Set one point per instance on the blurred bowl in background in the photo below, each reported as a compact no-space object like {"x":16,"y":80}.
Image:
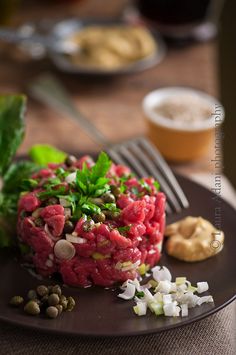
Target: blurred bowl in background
{"x":67,"y":28}
{"x":181,"y":122}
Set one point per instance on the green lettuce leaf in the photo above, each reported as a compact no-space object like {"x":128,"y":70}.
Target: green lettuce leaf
{"x":44,"y":154}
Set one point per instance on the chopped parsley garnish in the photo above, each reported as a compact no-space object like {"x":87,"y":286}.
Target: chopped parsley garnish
{"x":123,"y":229}
{"x":92,"y":182}
{"x":28,"y":184}
{"x":157,"y":185}
{"x":145,"y":185}
{"x":139,"y":294}
{"x":134,"y":190}
{"x":110,"y":207}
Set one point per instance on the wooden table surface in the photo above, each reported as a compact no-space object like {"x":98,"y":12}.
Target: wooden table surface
{"x":114,"y":105}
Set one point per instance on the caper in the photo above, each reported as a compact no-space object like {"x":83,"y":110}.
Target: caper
{"x":97,"y":201}
{"x":99,"y":217}
{"x":42,"y":290}
{"x":115,"y":190}
{"x":63,"y":302}
{"x":71,"y":304}
{"x":52,"y":312}
{"x":115,"y":215}
{"x":39,"y":222}
{"x":112,"y":214}
{"x":32,"y":308}
{"x":32,"y":295}
{"x":108,"y":197}
{"x":88,"y":225}
{"x":59,"y":308}
{"x":57,"y":290}
{"x":68,"y":227}
{"x":52,"y":201}
{"x":70,"y":160}
{"x":16,"y":301}
{"x":53,"y":299}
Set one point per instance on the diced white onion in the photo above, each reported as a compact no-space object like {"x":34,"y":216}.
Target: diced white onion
{"x":71,"y":178}
{"x":164,"y":286}
{"x":202,"y":287}
{"x":47,"y":230}
{"x":152,"y":251}
{"x":135,"y":282}
{"x":205,"y":299}
{"x":148,"y":297}
{"x":161,"y":274}
{"x":73,"y":239}
{"x":184,"y":310}
{"x":141,"y":308}
{"x":131,"y":266}
{"x":129,"y":292}
{"x":177,"y":311}
{"x":182,"y":287}
{"x":158,"y":297}
{"x":49,"y":263}
{"x":167,"y":299}
{"x":169,"y":309}
{"x":173,"y":287}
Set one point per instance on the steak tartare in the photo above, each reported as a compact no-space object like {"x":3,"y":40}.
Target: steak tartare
{"x":93,"y":223}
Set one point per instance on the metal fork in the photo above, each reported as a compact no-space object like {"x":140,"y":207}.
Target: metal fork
{"x":138,"y":153}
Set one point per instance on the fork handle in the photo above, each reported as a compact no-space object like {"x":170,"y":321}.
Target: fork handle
{"x":50,"y":91}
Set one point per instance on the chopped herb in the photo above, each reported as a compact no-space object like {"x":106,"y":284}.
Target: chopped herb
{"x":110,"y":207}
{"x":52,"y":182}
{"x":135,"y":190}
{"x":123,"y":188}
{"x":123,"y":230}
{"x":29,"y":184}
{"x":157,"y":185}
{"x":145,"y":185}
{"x":92,"y":182}
{"x":60,"y":190}
{"x":139,"y":294}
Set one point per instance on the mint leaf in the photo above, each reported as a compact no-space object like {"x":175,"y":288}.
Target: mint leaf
{"x":12,"y":128}
{"x":16,"y":174}
{"x":8,"y":217}
{"x":44,"y":154}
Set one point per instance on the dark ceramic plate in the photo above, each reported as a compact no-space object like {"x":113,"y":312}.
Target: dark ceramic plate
{"x":100,"y":313}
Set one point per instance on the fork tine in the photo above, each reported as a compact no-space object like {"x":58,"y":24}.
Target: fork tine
{"x":153,"y":171}
{"x":166,"y":171}
{"x":133,"y":161}
{"x":115,"y":154}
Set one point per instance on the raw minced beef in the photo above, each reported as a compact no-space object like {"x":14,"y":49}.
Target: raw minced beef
{"x":111,"y":222}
